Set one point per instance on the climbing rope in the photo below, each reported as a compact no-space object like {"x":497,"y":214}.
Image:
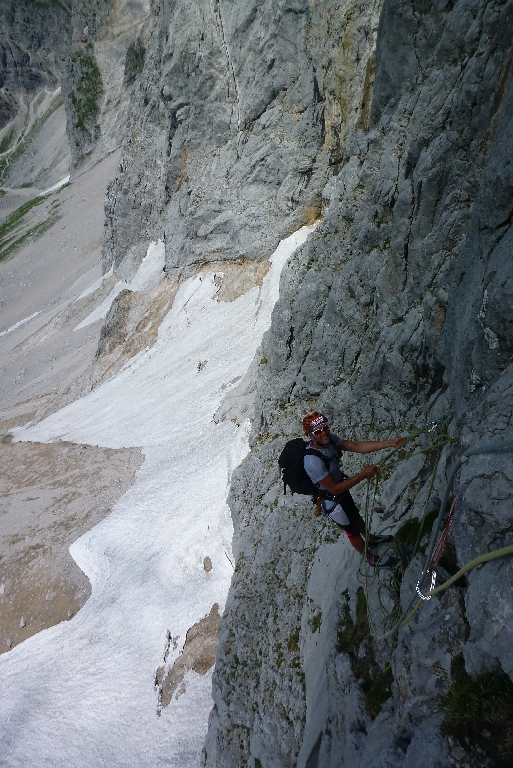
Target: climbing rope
{"x":435,"y":557}
{"x":413,"y":607}
{"x":388,"y":591}
{"x":388,"y":584}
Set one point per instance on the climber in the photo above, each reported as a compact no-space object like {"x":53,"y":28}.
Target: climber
{"x":341,"y":507}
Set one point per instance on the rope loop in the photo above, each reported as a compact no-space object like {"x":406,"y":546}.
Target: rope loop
{"x":386,"y":596}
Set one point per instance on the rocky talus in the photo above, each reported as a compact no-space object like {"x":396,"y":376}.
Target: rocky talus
{"x":396,"y":312}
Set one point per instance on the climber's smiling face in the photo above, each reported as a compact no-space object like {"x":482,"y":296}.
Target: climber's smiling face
{"x":321,"y":436}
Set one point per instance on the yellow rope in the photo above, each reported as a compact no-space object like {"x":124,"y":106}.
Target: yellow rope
{"x":467,"y":567}
{"x":437,"y":444}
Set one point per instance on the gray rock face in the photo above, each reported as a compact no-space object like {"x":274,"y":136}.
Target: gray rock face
{"x":239,"y":122}
{"x":105,"y":34}
{"x":34,"y":40}
{"x":33,"y":45}
{"x":242,"y":107}
{"x":396,"y":310}
{"x":93,"y":49}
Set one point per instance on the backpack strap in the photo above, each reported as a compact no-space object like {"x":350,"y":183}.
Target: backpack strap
{"x":314,"y":452}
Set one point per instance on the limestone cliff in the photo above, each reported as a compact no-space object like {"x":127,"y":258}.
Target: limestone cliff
{"x":100,"y":69}
{"x":92,"y":50}
{"x":390,"y":123}
{"x":34,"y":40}
{"x":33,"y":45}
{"x":396,"y":311}
{"x":244,"y":107}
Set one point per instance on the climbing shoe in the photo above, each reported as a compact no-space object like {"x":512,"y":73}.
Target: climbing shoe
{"x":381,"y":540}
{"x":384,"y":562}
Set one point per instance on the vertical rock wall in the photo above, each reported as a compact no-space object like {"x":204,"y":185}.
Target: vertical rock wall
{"x":93,"y":49}
{"x":240,"y":121}
{"x":105,"y":33}
{"x":33,"y":42}
{"x":235,"y":126}
{"x":396,"y":311}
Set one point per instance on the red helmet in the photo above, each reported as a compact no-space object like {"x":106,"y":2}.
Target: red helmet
{"x":314,"y":420}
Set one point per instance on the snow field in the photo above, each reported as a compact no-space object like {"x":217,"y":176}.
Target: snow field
{"x":148,"y":276}
{"x":82,"y":693}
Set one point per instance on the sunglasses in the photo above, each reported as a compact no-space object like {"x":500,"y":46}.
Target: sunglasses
{"x":320,"y":430}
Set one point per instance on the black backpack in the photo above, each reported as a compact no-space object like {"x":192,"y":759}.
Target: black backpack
{"x":293,"y":471}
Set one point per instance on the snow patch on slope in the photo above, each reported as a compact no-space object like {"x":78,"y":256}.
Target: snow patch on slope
{"x":149,"y":275}
{"x":82,"y":693}
{"x":57,"y":186}
{"x":19,"y":323}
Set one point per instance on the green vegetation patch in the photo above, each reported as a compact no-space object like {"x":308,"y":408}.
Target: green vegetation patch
{"x":409,"y":531}
{"x":315,"y":622}
{"x":355,"y":639}
{"x":8,"y":161}
{"x":10,"y":237}
{"x":478,"y":712}
{"x":88,"y":91}
{"x":14,"y":218}
{"x":30,"y":234}
{"x":7,"y":141}
{"x":134,"y":60}
{"x":51,"y":4}
{"x":293,"y":642}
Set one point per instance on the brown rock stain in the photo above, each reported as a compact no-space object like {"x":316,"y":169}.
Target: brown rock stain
{"x":198,"y":654}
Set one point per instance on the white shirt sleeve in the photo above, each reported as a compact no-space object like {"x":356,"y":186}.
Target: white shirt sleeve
{"x":315,"y":468}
